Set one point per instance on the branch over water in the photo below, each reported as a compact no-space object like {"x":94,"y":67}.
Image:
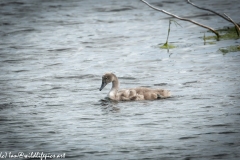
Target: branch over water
{"x":183,"y":19}
{"x":225,"y":16}
{"x":236,"y":25}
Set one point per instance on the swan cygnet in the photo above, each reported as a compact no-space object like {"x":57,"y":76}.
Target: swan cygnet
{"x":134,"y":94}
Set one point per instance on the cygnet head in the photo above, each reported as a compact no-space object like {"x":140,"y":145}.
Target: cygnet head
{"x":107,"y":78}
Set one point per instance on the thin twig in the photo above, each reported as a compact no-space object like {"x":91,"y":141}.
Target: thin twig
{"x":236,"y":26}
{"x":183,"y":19}
{"x":168,"y":30}
{"x":168,"y":36}
{"x":224,"y":17}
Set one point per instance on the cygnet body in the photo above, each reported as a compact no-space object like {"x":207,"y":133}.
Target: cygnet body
{"x":133,"y":94}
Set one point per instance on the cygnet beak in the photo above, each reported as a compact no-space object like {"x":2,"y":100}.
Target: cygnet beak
{"x":103,"y":85}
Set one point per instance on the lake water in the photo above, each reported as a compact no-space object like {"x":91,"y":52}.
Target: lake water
{"x":54,"y":53}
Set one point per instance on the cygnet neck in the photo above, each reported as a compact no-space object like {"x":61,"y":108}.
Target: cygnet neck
{"x":115,"y":83}
{"x":114,"y":90}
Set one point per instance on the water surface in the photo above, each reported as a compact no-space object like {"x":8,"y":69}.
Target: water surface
{"x":52,"y":57}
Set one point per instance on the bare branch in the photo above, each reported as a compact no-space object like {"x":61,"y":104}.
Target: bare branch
{"x":224,"y":17}
{"x":236,"y":26}
{"x":183,"y":19}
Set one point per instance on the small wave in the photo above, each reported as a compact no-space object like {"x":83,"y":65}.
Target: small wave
{"x":160,"y":84}
{"x":76,"y":76}
{"x":128,"y":78}
{"x":190,"y":82}
{"x":182,"y":138}
{"x":227,"y":132}
{"x":219,"y":125}
{"x":127,"y":8}
{"x":20,"y":71}
{"x":5,"y":106}
{"x":21,"y":31}
{"x":12,"y":3}
{"x":60,"y":49}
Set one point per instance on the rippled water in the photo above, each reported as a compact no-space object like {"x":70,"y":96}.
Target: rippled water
{"x":52,"y":57}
